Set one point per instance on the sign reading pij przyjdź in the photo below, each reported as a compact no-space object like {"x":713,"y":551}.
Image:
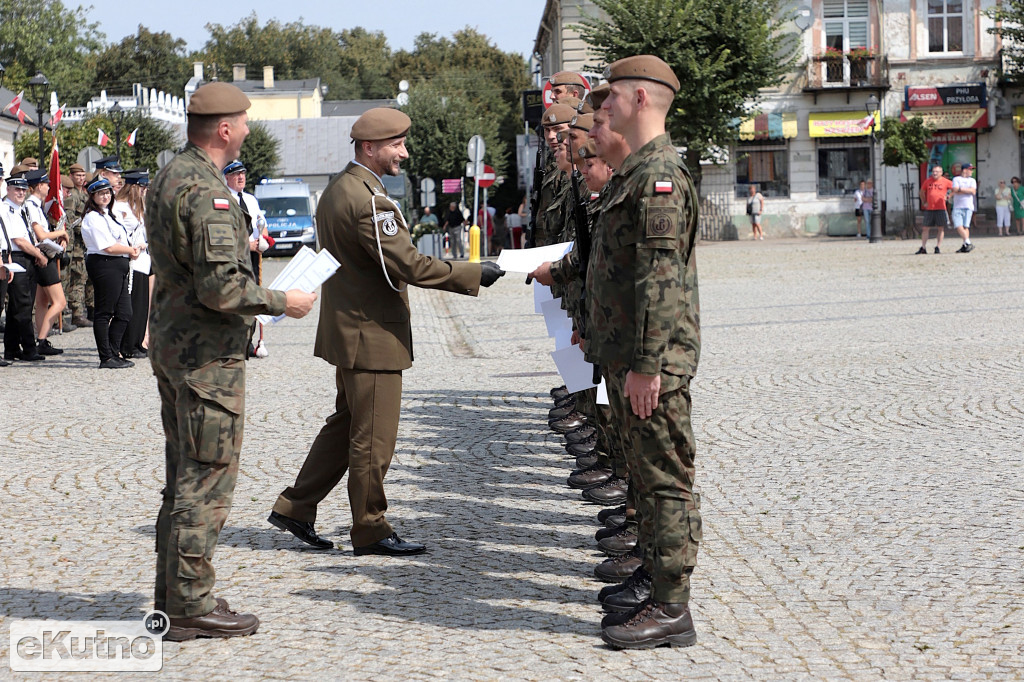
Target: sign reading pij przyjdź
{"x":88,"y":645}
{"x":960,"y":95}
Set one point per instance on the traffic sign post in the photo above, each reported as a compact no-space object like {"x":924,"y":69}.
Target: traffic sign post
{"x":476,"y":157}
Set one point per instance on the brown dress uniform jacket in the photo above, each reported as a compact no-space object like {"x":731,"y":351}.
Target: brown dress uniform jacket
{"x":364,"y":322}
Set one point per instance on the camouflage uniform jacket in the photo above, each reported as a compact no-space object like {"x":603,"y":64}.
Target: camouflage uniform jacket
{"x":566,"y":271}
{"x":553,"y":184}
{"x":74,"y":207}
{"x":642,"y":301}
{"x":205,"y":295}
{"x":556,"y":216}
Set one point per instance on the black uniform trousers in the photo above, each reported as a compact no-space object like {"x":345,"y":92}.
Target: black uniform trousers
{"x":113,"y":307}
{"x":136,"y":330}
{"x":19,"y":335}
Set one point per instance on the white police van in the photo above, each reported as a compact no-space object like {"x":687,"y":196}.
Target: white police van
{"x":289,"y":209}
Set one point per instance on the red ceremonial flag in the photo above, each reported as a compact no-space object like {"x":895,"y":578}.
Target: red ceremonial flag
{"x":131,"y":138}
{"x":55,"y":119}
{"x":102,"y":140}
{"x":866,"y":122}
{"x":15,"y":107}
{"x":55,"y":196}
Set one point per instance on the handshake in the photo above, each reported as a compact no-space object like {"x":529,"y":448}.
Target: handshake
{"x":489,"y":273}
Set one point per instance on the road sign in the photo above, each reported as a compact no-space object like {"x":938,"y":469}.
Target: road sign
{"x":427,"y":185}
{"x":451,"y":185}
{"x":546,"y":91}
{"x":488,"y":177}
{"x":88,"y":156}
{"x":476,"y":148}
{"x":533,"y":107}
{"x":428,"y":198}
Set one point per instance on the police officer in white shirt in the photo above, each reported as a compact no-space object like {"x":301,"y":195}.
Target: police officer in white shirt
{"x":19,"y":336}
{"x":259,"y":238}
{"x":6,"y":275}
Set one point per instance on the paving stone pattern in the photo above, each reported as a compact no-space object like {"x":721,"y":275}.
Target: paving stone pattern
{"x":858,"y":414}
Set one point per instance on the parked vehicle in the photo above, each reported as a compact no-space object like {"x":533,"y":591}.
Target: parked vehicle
{"x":289,"y":209}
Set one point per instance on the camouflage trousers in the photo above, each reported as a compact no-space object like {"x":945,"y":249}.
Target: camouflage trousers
{"x":78,"y":286}
{"x":203,"y":415}
{"x":660,"y":454}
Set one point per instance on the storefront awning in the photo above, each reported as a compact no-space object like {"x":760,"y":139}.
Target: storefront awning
{"x":769,"y":126}
{"x":841,"y":123}
{"x":950,"y":118}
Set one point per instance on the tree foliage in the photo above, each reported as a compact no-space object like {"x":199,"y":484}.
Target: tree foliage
{"x":905,"y":142}
{"x":259,"y":154}
{"x":1009,"y":18}
{"x":155,"y":60}
{"x":43,"y":36}
{"x":722,"y":51}
{"x":153,"y":138}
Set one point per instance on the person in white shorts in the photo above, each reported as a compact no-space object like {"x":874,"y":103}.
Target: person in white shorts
{"x":965,"y":188}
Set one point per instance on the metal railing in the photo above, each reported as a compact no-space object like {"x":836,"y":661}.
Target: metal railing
{"x":859,"y":72}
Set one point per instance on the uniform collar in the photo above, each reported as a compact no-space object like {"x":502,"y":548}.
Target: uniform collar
{"x":637,"y":156}
{"x":203,"y":157}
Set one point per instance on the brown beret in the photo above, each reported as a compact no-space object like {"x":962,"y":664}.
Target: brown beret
{"x":568,"y":99}
{"x":76,"y":168}
{"x":20,"y":169}
{"x":567,"y":78}
{"x":587,"y":150}
{"x":218,"y":98}
{"x":66,"y":182}
{"x":596,"y":97}
{"x":582,"y":121}
{"x":380,"y":123}
{"x":30,"y":161}
{"x":642,"y":67}
{"x":558,"y":114}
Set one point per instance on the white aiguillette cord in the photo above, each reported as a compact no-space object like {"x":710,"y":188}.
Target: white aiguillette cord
{"x":376,"y":233}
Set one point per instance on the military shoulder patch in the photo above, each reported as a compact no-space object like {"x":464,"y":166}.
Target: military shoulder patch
{"x":662,"y":218}
{"x":221,"y":205}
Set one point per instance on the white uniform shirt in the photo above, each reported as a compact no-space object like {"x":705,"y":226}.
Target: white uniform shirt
{"x":16,"y":227}
{"x":964,"y":200}
{"x":136,"y":228}
{"x":252,"y":206}
{"x":100,"y":231}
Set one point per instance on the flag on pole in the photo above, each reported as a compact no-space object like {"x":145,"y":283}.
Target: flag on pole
{"x":131,"y":138}
{"x":55,"y":119}
{"x":866,"y":122}
{"x":15,"y":107}
{"x":54,"y":203}
{"x":102,"y":140}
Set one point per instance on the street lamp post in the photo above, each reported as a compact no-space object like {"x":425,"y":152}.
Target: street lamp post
{"x":876,"y":219}
{"x":117,"y":117}
{"x":38,"y":87}
{"x":3,"y":72}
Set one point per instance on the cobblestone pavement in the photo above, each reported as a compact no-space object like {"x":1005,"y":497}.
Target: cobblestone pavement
{"x":858,"y":413}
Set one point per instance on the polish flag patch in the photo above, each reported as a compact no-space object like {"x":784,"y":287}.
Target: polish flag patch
{"x":221,"y":205}
{"x":663,"y":187}
{"x":594,"y":196}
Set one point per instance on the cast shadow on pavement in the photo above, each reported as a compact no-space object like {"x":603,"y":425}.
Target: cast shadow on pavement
{"x":17,"y":602}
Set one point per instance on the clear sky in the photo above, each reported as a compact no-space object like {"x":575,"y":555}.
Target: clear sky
{"x":512,"y":26}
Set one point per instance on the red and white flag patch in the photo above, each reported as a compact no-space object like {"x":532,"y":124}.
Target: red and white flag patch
{"x":221,"y":204}
{"x":663,"y":187}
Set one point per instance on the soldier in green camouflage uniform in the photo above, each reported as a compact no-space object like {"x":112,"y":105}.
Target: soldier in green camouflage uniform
{"x":555,"y":184}
{"x":203,"y":306}
{"x":79,"y":289}
{"x":644,"y":332}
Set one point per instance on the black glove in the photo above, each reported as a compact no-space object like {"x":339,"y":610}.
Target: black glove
{"x":489,"y":273}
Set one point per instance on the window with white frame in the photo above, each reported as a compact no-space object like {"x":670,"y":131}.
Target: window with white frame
{"x":765,"y":164}
{"x":946,"y":25}
{"x":846,"y":24}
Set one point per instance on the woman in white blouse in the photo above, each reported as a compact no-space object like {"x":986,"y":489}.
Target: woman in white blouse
{"x":107,"y":253}
{"x":130,"y":210}
{"x":50,"y":301}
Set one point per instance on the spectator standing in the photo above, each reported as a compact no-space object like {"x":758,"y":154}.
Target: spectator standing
{"x":755,"y":207}
{"x":514,"y":226}
{"x":49,"y":295}
{"x":858,"y":208}
{"x":19,"y":336}
{"x":965,"y":189}
{"x":935,"y":191}
{"x":129,"y":209}
{"x":1003,"y":209}
{"x":1017,"y":204}
{"x":868,"y":206}
{"x":453,"y":222}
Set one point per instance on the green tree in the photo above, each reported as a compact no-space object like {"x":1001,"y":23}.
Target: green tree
{"x":722,"y":51}
{"x":259,"y":154}
{"x":44,"y":36}
{"x":363,"y":70}
{"x":156,"y":60}
{"x":905,"y":142}
{"x":1009,"y":18}
{"x":153,"y":137}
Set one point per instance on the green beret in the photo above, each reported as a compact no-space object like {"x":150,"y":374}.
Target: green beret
{"x":218,"y":98}
{"x":642,"y":67}
{"x":380,"y":124}
{"x":558,"y":114}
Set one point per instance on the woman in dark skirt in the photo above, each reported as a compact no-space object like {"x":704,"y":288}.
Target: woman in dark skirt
{"x":107,"y":254}
{"x":129,"y":210}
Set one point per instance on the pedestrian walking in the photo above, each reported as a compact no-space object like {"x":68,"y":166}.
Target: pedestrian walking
{"x":935,"y":192}
{"x":965,"y":190}
{"x":755,"y":207}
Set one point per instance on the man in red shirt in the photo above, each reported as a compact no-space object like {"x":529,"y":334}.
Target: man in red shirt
{"x":934,"y":192}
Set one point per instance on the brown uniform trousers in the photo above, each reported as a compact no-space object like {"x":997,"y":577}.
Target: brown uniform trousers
{"x":366,"y":333}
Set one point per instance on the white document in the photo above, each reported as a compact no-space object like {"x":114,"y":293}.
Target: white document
{"x":563,"y":337}
{"x":576,"y":372}
{"x":528,"y":260}
{"x":602,"y":393}
{"x":541,"y":293}
{"x":555,"y":318}
{"x":14,"y":267}
{"x":142,"y":264}
{"x":305,"y":271}
{"x":50,"y":247}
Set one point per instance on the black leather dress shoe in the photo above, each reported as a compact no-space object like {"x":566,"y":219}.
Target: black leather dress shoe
{"x":391,"y":546}
{"x":303,"y":530}
{"x":34,"y":356}
{"x":612,"y":491}
{"x":584,"y":448}
{"x":582,"y":479}
{"x":584,"y":461}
